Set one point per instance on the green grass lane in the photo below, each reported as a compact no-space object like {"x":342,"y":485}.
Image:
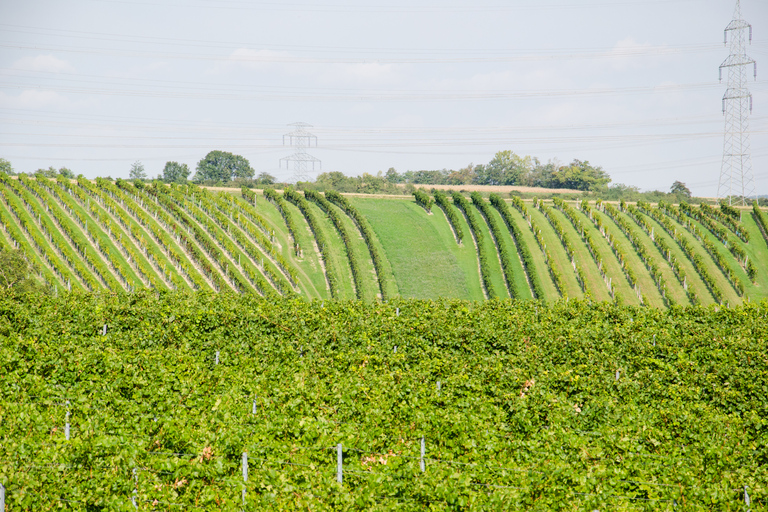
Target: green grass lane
{"x":421,"y":249}
{"x":498,"y":282}
{"x":644,"y":280}
{"x":540,"y":266}
{"x":390,"y":283}
{"x":757,"y":250}
{"x":520,"y":282}
{"x":595,"y":283}
{"x":561,"y":261}
{"x":693,"y":279}
{"x":369,"y":282}
{"x":309,"y":269}
{"x":338,"y":253}
{"x":722,"y":283}
{"x":675,"y":290}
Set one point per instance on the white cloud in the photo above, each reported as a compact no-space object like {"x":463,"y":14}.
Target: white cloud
{"x":35,"y":100}
{"x":44,"y":63}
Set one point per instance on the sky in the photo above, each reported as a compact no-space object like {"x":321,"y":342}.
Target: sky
{"x":628,"y":85}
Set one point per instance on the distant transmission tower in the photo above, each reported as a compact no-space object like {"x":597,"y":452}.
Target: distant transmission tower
{"x":300,"y":139}
{"x":736,"y":180}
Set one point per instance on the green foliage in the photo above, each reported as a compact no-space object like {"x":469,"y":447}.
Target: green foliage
{"x":569,"y":406}
{"x":441,"y":200}
{"x":761,"y":219}
{"x":278,"y":201}
{"x":679,"y":189}
{"x":174,"y":172}
{"x":580,"y":176}
{"x":423,"y":200}
{"x":477,"y":233}
{"x":368,"y":236}
{"x":221,"y":166}
{"x":137,"y":171}
{"x":16,"y":272}
{"x":522,"y":248}
{"x":501,"y":246}
{"x":581,"y":277}
{"x":506,"y":168}
{"x":6,"y":167}
{"x":248,"y":195}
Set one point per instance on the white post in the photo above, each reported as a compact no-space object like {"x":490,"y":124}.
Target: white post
{"x":438,"y":388}
{"x":423,"y":451}
{"x":104,"y":331}
{"x":66,"y":424}
{"x":339,"y":467}
{"x":253,"y":411}
{"x":245,"y":467}
{"x":217,"y":357}
{"x":397,"y":311}
{"x":747,"y":501}
{"x":2,"y":497}
{"x":617,"y":374}
{"x":135,"y":489}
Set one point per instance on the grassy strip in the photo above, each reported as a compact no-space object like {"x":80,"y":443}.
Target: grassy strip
{"x":709,"y":246}
{"x":302,"y":204}
{"x":278,"y":201}
{"x":441,"y":200}
{"x":580,"y":275}
{"x":130,"y":197}
{"x":617,"y":249}
{"x":474,"y":225}
{"x":557,"y":277}
{"x":368,"y":236}
{"x":501,"y":245}
{"x":152,"y":252}
{"x":700,"y":214}
{"x":685,"y":245}
{"x":332,"y":214}
{"x":522,"y":248}
{"x":645,"y":255}
{"x":423,"y":199}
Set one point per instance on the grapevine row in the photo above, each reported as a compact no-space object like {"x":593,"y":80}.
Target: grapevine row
{"x":279,"y":203}
{"x":726,"y":219}
{"x":581,"y":276}
{"x":477,"y":233}
{"x":760,"y":218}
{"x":423,"y":199}
{"x":441,"y":200}
{"x":501,"y":245}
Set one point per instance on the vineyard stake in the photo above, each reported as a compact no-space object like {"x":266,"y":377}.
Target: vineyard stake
{"x":66,"y":424}
{"x":135,"y":489}
{"x":104,"y":331}
{"x":747,"y":501}
{"x":423,"y":451}
{"x":253,"y":411}
{"x":397,"y":311}
{"x":339,"y":468}
{"x":217,"y":357}
{"x":438,"y":388}
{"x":2,"y":497}
{"x":617,"y":374}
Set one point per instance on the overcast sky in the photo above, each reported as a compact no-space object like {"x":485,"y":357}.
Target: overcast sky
{"x":629,"y":85}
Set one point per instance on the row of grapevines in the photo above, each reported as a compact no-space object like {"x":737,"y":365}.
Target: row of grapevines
{"x":277,"y":200}
{"x":423,"y":199}
{"x":367,"y":233}
{"x":54,"y":235}
{"x":332,"y":214}
{"x":760,"y":217}
{"x":441,"y":200}
{"x":224,"y":217}
{"x":325,"y":251}
{"x":617,"y":248}
{"x":709,"y":246}
{"x":721,"y":234}
{"x":728,"y":219}
{"x":229,"y":206}
{"x":154,"y":223}
{"x":686,"y":246}
{"x":249,"y":195}
{"x":114,"y":232}
{"x":522,"y":248}
{"x":23,"y":225}
{"x":645,"y":255}
{"x":666,"y":251}
{"x":151,"y":201}
{"x":477,"y":233}
{"x":557,"y":277}
{"x":501,"y":245}
{"x":62,"y":215}
{"x":581,"y":277}
{"x":151,"y":253}
{"x":206,"y":233}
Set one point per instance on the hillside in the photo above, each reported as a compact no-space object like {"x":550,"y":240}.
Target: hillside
{"x":103,"y":235}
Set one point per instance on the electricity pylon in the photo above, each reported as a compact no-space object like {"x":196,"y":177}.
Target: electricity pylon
{"x":300,"y":139}
{"x":736,"y":180}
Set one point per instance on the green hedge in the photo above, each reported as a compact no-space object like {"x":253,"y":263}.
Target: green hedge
{"x":441,"y":200}
{"x":477,"y":232}
{"x":423,"y":199}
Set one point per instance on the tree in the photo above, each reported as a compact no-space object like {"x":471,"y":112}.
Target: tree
{"x":16,"y":272}
{"x":506,"y":168}
{"x":220,"y":166}
{"x":66,"y":173}
{"x":678,"y":188}
{"x":174,"y":172}
{"x":50,"y":172}
{"x":265,"y":179}
{"x":137,"y":171}
{"x":6,"y":167}
{"x":580,"y":176}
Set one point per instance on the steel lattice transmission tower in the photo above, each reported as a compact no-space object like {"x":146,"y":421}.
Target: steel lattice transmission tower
{"x":736,"y":180}
{"x":300,"y":139}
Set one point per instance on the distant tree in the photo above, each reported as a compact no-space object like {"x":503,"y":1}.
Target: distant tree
{"x":506,"y":168}
{"x":137,"y":171}
{"x":223,"y":166}
{"x":580,"y":176}
{"x":392,"y":176}
{"x":174,"y":172}
{"x":265,"y":179}
{"x":678,"y":188}
{"x":16,"y":272}
{"x":66,"y":173}
{"x":50,"y":172}
{"x":6,"y":167}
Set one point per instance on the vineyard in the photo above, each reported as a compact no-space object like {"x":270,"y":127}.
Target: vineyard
{"x":170,"y":400}
{"x":119,"y":236}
